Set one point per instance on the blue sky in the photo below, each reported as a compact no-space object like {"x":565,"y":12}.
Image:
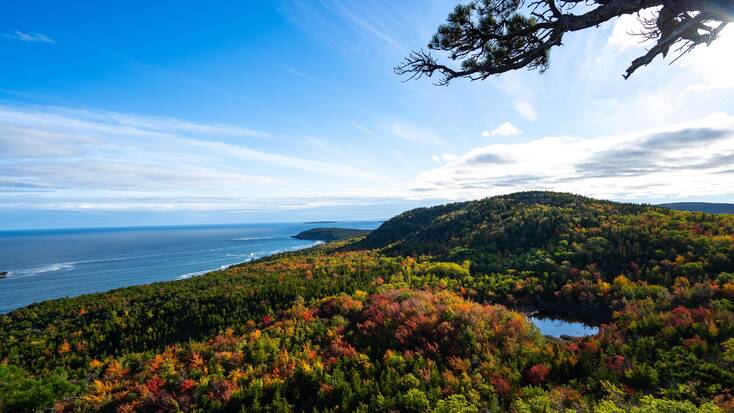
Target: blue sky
{"x":181,"y":112}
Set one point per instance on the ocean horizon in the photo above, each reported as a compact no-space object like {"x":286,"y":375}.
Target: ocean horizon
{"x":43,"y":264}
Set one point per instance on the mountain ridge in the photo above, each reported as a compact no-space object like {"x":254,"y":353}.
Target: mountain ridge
{"x":707,"y":207}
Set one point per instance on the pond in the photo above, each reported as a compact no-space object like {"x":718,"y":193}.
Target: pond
{"x":556,"y":328}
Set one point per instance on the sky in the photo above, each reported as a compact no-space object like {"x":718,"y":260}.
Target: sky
{"x":153,"y":113}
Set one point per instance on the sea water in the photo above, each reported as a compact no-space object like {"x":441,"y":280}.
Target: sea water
{"x":46,"y":264}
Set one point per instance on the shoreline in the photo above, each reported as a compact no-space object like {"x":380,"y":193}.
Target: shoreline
{"x":181,"y":277}
{"x":247,"y":261}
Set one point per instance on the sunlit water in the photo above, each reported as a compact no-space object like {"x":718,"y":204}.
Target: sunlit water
{"x":47,"y":264}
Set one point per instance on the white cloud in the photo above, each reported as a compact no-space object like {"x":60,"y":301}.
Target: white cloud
{"x":413,"y":133}
{"x":706,"y":68}
{"x":526,"y":110}
{"x":711,"y":66}
{"x":625,"y":34}
{"x":688,"y":160}
{"x":659,"y":94}
{"x":30,"y":37}
{"x":446,"y":157}
{"x":449,"y":157}
{"x":55,"y":156}
{"x":505,"y":129}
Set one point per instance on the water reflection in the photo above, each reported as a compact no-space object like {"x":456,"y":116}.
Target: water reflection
{"x":557,"y":328}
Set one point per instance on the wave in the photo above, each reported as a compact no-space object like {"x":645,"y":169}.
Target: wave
{"x":197,"y":273}
{"x":245,"y":255}
{"x":248,"y":257}
{"x":194,"y":274}
{"x":296,"y":248}
{"x":257,"y":238}
{"x":29,"y":272}
{"x":68,"y":266}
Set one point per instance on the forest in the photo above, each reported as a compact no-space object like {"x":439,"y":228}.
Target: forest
{"x":420,"y":315}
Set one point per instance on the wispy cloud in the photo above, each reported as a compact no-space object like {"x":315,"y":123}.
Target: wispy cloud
{"x":526,"y":110}
{"x":417,"y":134}
{"x":296,"y":73}
{"x":29,"y":37}
{"x":59,"y":156}
{"x":379,"y":33}
{"x":364,"y":129}
{"x":374,"y":27}
{"x":54,"y":119}
{"x":505,"y":129}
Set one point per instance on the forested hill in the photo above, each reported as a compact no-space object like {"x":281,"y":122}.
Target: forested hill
{"x":416,"y":317}
{"x":520,"y":220}
{"x":708,"y":207}
{"x":528,"y":229}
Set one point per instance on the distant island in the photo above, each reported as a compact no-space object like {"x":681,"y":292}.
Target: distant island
{"x":330,"y":234}
{"x":709,"y":207}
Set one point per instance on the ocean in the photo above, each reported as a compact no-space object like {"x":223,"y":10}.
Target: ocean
{"x":47,"y":264}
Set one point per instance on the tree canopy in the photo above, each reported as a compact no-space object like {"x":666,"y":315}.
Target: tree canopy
{"x":491,"y":37}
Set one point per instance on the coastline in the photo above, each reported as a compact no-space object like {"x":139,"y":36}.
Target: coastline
{"x":27,"y":285}
{"x":247,"y":261}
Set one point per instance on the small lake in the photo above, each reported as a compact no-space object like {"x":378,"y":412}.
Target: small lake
{"x":557,"y":328}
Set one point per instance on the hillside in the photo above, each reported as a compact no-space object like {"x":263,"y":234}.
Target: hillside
{"x":538,"y":231}
{"x":330,"y":234}
{"x":708,"y":207}
{"x":415,"y":317}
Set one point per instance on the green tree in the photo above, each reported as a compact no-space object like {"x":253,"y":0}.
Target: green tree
{"x":489,"y":37}
{"x":456,"y":403}
{"x":20,"y":393}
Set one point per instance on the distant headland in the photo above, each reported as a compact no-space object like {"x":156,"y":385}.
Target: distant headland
{"x":330,"y":234}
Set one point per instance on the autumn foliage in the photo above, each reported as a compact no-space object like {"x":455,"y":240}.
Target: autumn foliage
{"x":417,"y":317}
